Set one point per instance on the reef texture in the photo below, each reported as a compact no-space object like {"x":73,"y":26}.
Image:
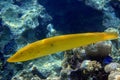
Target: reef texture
{"x":88,"y":67}
{"x":26,"y":21}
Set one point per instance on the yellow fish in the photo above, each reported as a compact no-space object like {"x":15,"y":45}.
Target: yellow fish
{"x":59,"y":43}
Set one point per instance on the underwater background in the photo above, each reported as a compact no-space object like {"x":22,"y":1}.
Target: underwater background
{"x":25,"y":21}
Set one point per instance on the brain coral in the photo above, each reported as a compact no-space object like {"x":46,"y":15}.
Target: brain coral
{"x":99,"y":50}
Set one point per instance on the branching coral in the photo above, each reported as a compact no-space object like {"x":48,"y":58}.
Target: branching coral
{"x":71,"y":62}
{"x":72,"y":59}
{"x":90,"y":66}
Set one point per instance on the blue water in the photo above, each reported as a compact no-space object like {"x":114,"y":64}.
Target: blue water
{"x":25,"y":21}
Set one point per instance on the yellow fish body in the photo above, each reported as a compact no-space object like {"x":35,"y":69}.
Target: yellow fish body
{"x":59,"y":43}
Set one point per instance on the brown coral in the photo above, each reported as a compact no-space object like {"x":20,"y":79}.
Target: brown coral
{"x":99,"y":50}
{"x":72,"y":58}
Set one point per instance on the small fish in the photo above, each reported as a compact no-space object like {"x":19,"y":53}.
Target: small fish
{"x":59,"y":43}
{"x":107,"y":60}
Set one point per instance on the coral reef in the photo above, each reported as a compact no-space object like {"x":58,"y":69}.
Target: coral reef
{"x":49,"y":68}
{"x":89,"y":62}
{"x":108,"y":7}
{"x":116,"y":5}
{"x":20,"y":24}
{"x":44,"y":71}
{"x":26,"y":75}
{"x":25,"y":21}
{"x":71,"y":62}
{"x":71,"y":59}
{"x":112,"y":67}
{"x":99,"y":4}
{"x":92,"y":61}
{"x":99,"y":50}
{"x":90,"y":66}
{"x":20,"y":18}
{"x":115,"y":75}
{"x":51,"y":31}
